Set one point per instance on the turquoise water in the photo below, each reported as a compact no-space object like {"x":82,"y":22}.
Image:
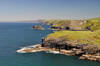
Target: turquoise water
{"x":16,"y":35}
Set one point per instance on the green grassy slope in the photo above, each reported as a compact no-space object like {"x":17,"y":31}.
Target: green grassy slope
{"x":92,"y":24}
{"x":58,"y":23}
{"x":81,"y":36}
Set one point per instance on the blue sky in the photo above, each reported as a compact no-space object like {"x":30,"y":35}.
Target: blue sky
{"x":13,"y":10}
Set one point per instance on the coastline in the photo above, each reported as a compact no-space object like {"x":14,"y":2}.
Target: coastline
{"x":74,"y":42}
{"x":39,"y":48}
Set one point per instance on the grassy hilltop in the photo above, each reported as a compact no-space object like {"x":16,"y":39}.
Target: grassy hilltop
{"x":92,"y":24}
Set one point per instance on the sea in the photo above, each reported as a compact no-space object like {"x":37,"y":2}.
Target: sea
{"x":14,"y":36}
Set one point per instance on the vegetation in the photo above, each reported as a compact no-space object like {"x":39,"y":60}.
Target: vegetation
{"x":80,"y":36}
{"x":58,"y":23}
{"x":92,"y":36}
{"x":92,"y":24}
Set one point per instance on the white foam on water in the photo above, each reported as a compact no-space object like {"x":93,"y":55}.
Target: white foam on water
{"x":54,"y":52}
{"x":21,"y":50}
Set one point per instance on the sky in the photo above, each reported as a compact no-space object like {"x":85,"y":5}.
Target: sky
{"x":16,"y":10}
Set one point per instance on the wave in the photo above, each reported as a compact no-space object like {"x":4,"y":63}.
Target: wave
{"x":54,"y":52}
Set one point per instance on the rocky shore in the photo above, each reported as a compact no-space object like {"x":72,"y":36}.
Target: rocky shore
{"x":84,"y":51}
{"x":37,"y":48}
{"x":90,"y":57}
{"x":72,"y":38}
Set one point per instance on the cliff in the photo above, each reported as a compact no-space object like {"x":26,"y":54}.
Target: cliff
{"x":75,"y":37}
{"x":85,"y":44}
{"x":74,"y":25}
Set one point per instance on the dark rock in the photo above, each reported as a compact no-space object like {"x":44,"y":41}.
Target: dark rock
{"x":38,"y":27}
{"x":74,"y":25}
{"x":77,"y":51}
{"x":85,"y":51}
{"x":90,"y":57}
{"x":63,"y":44}
{"x":54,"y":43}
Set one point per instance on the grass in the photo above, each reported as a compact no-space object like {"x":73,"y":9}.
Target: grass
{"x":58,"y":23}
{"x":81,"y":36}
{"x":89,"y":37}
{"x":92,"y":24}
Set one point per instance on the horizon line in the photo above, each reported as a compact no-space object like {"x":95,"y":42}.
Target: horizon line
{"x":36,"y":20}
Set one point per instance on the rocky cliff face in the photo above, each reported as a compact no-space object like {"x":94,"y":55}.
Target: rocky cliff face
{"x":74,"y":47}
{"x":74,"y":25}
{"x":63,"y":44}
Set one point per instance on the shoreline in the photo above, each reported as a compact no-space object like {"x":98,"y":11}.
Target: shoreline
{"x":35,"y":48}
{"x":39,"y":48}
{"x":69,"y":40}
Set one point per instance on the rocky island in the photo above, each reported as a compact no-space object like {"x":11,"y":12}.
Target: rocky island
{"x":75,"y":37}
{"x":37,"y":27}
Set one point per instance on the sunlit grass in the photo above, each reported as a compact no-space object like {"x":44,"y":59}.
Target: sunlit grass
{"x":81,"y":36}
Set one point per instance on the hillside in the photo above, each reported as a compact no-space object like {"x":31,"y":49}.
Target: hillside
{"x":65,"y":24}
{"x":92,"y":36}
{"x":92,"y":24}
{"x":82,"y":38}
{"x":76,"y":25}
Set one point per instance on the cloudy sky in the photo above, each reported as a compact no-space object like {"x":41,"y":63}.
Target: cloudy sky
{"x":15,"y":10}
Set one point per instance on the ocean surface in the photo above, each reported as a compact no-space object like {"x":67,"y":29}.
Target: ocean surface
{"x":13,"y":36}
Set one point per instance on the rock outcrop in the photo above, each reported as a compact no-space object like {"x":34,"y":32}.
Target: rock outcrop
{"x":90,"y":57}
{"x":61,"y":46}
{"x":85,"y":51}
{"x":37,"y":27}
